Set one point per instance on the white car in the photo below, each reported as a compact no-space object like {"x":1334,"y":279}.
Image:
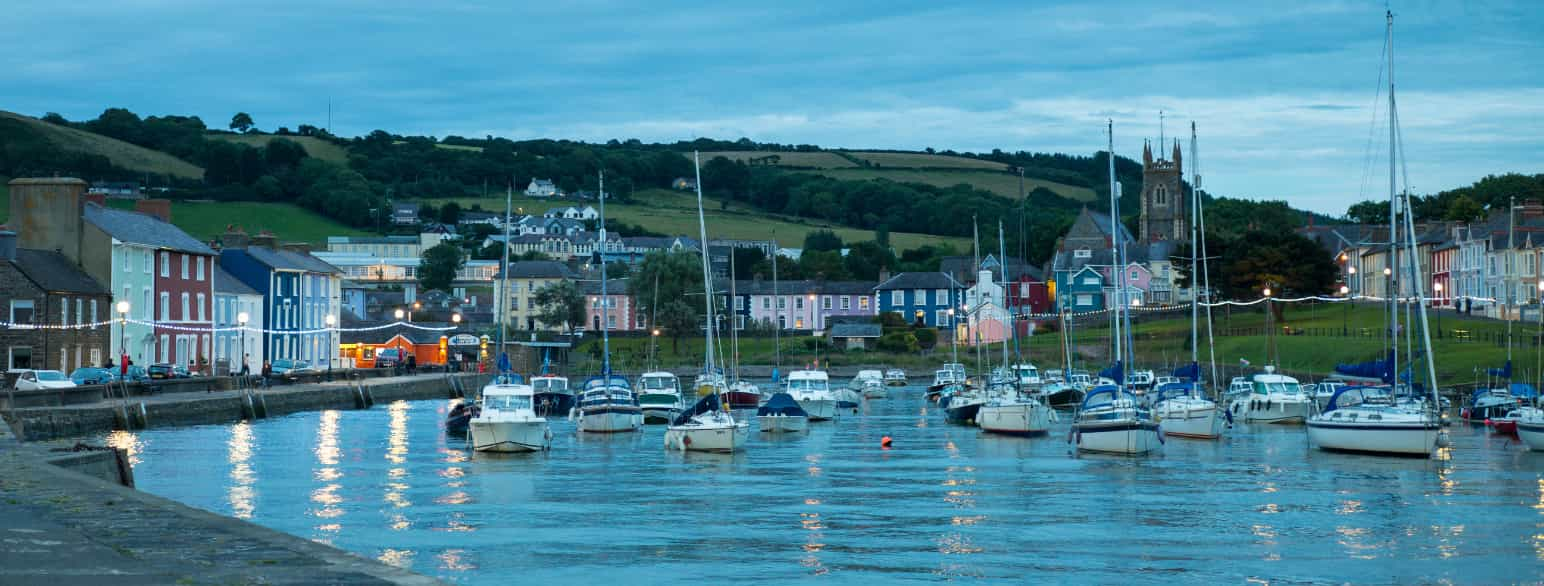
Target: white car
{"x":36,"y":380}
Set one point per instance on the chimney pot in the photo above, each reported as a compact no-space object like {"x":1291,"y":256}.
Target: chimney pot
{"x":158,"y":208}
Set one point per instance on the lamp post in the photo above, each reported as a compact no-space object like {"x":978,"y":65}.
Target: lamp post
{"x":331,"y":350}
{"x":1352,"y":271}
{"x":241,"y":332}
{"x":400,"y":350}
{"x":123,"y":336}
{"x":1345,"y":314}
{"x":1437,"y":305}
{"x":812,"y":313}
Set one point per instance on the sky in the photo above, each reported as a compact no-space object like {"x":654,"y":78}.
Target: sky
{"x":1286,"y":96}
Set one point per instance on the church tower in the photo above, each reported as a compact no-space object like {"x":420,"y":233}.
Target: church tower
{"x":1164,"y":207}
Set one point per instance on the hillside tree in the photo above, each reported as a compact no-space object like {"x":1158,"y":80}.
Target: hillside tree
{"x":439,"y":266}
{"x":560,"y":303}
{"x":242,"y":122}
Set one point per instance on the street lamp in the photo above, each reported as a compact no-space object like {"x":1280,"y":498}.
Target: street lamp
{"x":400,"y":351}
{"x":455,"y":318}
{"x":1345,"y":313}
{"x":330,"y":320}
{"x":241,"y":322}
{"x":1437,"y":305}
{"x":399,"y":314}
{"x":123,"y":335}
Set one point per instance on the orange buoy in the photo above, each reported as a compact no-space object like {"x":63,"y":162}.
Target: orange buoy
{"x":884,"y":442}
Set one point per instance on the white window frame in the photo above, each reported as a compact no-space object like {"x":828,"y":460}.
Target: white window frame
{"x":898,"y":298}
{"x":146,"y":256}
{"x":80,"y":310}
{"x":201,"y":307}
{"x":941,"y":317}
{"x":166,"y":307}
{"x":10,"y":357}
{"x":94,"y":317}
{"x":199,"y":275}
{"x":166,"y":264}
{"x":825,"y":302}
{"x":128,"y":260}
{"x":64,"y":311}
{"x":846,"y":302}
{"x":863,"y":302}
{"x":1082,"y":253}
{"x":185,"y":315}
{"x":940,"y":297}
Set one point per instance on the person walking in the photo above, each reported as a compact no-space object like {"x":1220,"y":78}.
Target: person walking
{"x":267,"y":372}
{"x":246,"y":369}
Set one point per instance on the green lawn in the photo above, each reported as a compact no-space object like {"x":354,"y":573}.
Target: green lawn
{"x":315,"y":147}
{"x":918,"y":160}
{"x":1002,"y":184}
{"x":675,"y":212}
{"x":632,"y":354}
{"x":291,"y":223}
{"x":814,"y":160}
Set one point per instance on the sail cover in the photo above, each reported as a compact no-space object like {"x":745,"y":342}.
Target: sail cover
{"x":782,"y":404}
{"x":1114,"y":373}
{"x":707,"y":403}
{"x":1503,"y":372}
{"x":1190,"y":371}
{"x":1379,"y":369}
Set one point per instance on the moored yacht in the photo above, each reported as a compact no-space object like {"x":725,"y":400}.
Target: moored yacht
{"x":741,"y":394}
{"x":553,"y":397}
{"x":961,"y":403}
{"x":1028,"y":376}
{"x":1013,"y":411}
{"x":1489,"y":404}
{"x":608,"y":405}
{"x":1365,"y":419}
{"x":1273,"y":398}
{"x":782,"y":414}
{"x":895,"y":377}
{"x":1182,"y":411}
{"x":812,"y":390}
{"x":869,"y":383}
{"x":707,"y":427}
{"x":951,"y":373}
{"x":1113,"y":421}
{"x":507,"y":421}
{"x":1531,"y":431}
{"x":659,"y":396}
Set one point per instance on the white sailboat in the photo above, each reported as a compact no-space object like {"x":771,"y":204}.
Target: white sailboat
{"x":506,"y":420}
{"x":607,"y":404}
{"x":1011,"y":408}
{"x":1357,"y":419}
{"x":1110,"y":419}
{"x":1182,"y":407}
{"x":709,"y":425}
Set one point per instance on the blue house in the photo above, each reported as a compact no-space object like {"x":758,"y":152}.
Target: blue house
{"x":299,"y":293}
{"x":922,"y":298}
{"x":1083,"y":260}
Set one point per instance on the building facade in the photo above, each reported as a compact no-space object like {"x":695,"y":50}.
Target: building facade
{"x":932,"y":299}
{"x":299,"y":293}
{"x":518,"y":303}
{"x":231,"y":299}
{"x":43,"y":288}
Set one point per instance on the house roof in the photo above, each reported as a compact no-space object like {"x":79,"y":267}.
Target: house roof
{"x":764,"y":287}
{"x":225,"y":283}
{"x":54,"y":272}
{"x":351,"y":335}
{"x":286,"y":260}
{"x":920,"y":280}
{"x":142,"y":229}
{"x":850,"y":330}
{"x":961,"y":266}
{"x":537,"y":269}
{"x":591,"y":286}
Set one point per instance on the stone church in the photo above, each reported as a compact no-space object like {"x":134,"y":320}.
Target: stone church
{"x":1165,"y":209}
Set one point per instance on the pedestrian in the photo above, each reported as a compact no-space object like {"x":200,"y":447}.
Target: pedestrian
{"x":267,"y":372}
{"x":246,"y":369}
{"x":412,"y":364}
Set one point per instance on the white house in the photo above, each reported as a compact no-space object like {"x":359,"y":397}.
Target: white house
{"x":542,"y":188}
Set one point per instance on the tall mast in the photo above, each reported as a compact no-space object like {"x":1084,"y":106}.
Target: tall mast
{"x":1115,"y":250}
{"x":734,"y":317}
{"x":605,"y":313}
{"x":777,"y":311}
{"x":509,"y":203}
{"x":975,"y":310}
{"x":1415,"y":262}
{"x":1195,"y":241}
{"x":707,"y":273}
{"x":1002,"y":269}
{"x":1394,"y":221}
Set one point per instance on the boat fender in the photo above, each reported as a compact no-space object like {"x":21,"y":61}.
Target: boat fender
{"x":686,"y":441}
{"x":884,"y":442}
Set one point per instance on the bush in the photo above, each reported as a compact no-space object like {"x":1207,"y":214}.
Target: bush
{"x":926,"y":337}
{"x":898,"y":342}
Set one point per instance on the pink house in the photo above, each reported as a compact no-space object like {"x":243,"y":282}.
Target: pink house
{"x":1138,"y":277}
{"x":616,"y":309}
{"x":800,"y":305}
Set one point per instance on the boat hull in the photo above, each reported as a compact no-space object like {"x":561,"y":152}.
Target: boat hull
{"x":847,"y":398}
{"x":1532,"y":434}
{"x":1015,"y":419}
{"x":1125,"y":437}
{"x":1065,"y":399}
{"x":553,"y":404}
{"x":1400,"y":439}
{"x":656,"y":414}
{"x":783,"y":423}
{"x":459,"y":420}
{"x":741,"y":399}
{"x":962,"y":413}
{"x":1253,"y":410}
{"x":1191,"y":422}
{"x":708,"y":438}
{"x":875,"y":392}
{"x":610,"y":419}
{"x":818,"y":409}
{"x":510,"y":436}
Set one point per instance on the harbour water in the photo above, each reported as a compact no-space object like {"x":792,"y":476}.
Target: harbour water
{"x":944,"y":502}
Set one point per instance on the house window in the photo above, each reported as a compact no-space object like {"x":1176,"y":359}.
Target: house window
{"x":80,"y":310}
{"x":185,"y":315}
{"x":1133,"y":274}
{"x":940,"y":317}
{"x":166,"y":307}
{"x":738,"y":303}
{"x":739,"y":322}
{"x":21,"y":357}
{"x":201,"y":307}
{"x":184,"y":266}
{"x":782,"y":303}
{"x":1090,"y":280}
{"x":1085,"y":300}
{"x":146,"y":308}
{"x":166,"y":264}
{"x":144,"y":257}
{"x":766,"y":303}
{"x":128,"y":261}
{"x":782,"y":322}
{"x":863,"y":302}
{"x":846,"y":303}
{"x":897,"y":298}
{"x":94,"y":317}
{"x":21,"y":311}
{"x":825,"y":302}
{"x":200,"y":273}
{"x":940,"y":297}
{"x":798,"y":324}
{"x":64,"y":311}
{"x":798,"y":303}
{"x":1082,"y":253}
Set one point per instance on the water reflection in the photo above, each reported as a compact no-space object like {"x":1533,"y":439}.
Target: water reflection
{"x":127,"y":441}
{"x":242,"y":478}
{"x":397,"y":476}
{"x":814,"y":541}
{"x":326,"y":496}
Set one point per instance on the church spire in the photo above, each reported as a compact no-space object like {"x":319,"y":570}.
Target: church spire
{"x":1176,"y":158}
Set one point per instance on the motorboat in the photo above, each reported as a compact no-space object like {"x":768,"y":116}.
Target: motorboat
{"x":608,"y":405}
{"x":1507,"y":424}
{"x":846,"y":398}
{"x":870,"y":384}
{"x":1012,"y":410}
{"x":553,"y":397}
{"x":1531,"y":430}
{"x":812,"y":390}
{"x":1182,"y":411}
{"x":1273,"y":398}
{"x":1113,"y":421}
{"x":458,"y":420}
{"x":1060,"y":395}
{"x":1489,"y":404}
{"x":1081,"y":380}
{"x":659,"y":396}
{"x":951,"y":373}
{"x":1028,"y":376}
{"x":741,"y":394}
{"x":1323,"y":392}
{"x":707,"y":426}
{"x":895,"y":377}
{"x":1365,"y":419}
{"x":1140,"y":381}
{"x":507,"y":420}
{"x":961,"y":403}
{"x":782,"y":414}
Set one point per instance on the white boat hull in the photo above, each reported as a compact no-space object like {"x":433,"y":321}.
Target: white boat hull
{"x":1015,"y":418}
{"x":1411,"y":439}
{"x":510,"y":436}
{"x":1253,"y":410}
{"x":1194,"y":422}
{"x":1532,"y":434}
{"x":1123,"y":437}
{"x":875,"y":392}
{"x":708,"y":438}
{"x":818,"y":409}
{"x":848,"y":398}
{"x":611,"y":419}
{"x":783,"y":423}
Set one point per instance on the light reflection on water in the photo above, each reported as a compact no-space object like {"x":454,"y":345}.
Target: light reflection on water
{"x":944,"y":503}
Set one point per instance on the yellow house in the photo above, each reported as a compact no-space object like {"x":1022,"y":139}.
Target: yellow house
{"x":525,"y":279}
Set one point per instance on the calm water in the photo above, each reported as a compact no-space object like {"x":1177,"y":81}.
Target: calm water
{"x":945,"y":502}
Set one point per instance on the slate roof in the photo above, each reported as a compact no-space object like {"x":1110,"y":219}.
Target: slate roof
{"x":537,"y":269}
{"x":961,"y":265}
{"x":923,"y":280}
{"x":856,"y":331}
{"x":764,"y":287}
{"x":226,"y":284}
{"x":54,"y":272}
{"x":614,"y":286}
{"x":286,"y":260}
{"x":141,"y":229}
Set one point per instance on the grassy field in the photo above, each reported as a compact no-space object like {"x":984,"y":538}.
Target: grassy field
{"x":921,"y":160}
{"x":122,"y":154}
{"x":291,"y":223}
{"x":817,"y":160}
{"x":999,"y":183}
{"x":314,"y":146}
{"x":674,"y":212}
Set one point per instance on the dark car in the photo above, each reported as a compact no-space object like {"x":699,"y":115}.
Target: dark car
{"x":163,"y":371}
{"x":90,"y":375}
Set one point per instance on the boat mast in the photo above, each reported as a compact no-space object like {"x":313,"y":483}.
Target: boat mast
{"x":1393,"y":282}
{"x":1195,"y":240}
{"x":707,"y":273}
{"x":509,"y":202}
{"x":654,"y":321}
{"x":1115,"y":250}
{"x":734,"y":332}
{"x":1002,"y":269}
{"x":605,"y":317}
{"x":777,"y":312}
{"x":975,"y":310}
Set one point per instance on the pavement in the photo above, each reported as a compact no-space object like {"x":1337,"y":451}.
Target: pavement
{"x":59,"y":527}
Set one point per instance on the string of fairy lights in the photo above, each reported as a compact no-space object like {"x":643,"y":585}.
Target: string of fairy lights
{"x":176,"y":327}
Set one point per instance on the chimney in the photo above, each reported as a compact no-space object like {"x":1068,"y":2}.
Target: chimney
{"x":7,"y":244}
{"x":97,"y":198}
{"x":266,"y":239}
{"x":46,"y":213}
{"x":884,"y":274}
{"x":159,"y":208}
{"x":298,"y":247}
{"x":234,"y":238}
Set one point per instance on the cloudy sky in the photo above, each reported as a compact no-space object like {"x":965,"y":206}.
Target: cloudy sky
{"x":1283,"y":93}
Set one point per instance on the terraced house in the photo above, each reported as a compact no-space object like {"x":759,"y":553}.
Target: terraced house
{"x":518,"y":303}
{"x":925,"y":298}
{"x":299,"y":293}
{"x":43,"y":288}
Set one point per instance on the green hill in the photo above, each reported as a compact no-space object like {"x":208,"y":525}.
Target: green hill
{"x":1003,"y":184}
{"x":122,"y":154}
{"x":790,"y":159}
{"x":925,"y":161}
{"x":291,"y":223}
{"x":906,"y":167}
{"x":315,"y":147}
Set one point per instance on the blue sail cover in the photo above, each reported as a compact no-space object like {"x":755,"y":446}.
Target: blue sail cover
{"x":1174,"y":390}
{"x":707,"y":403}
{"x":782,"y":404}
{"x":1114,"y":372}
{"x":1379,"y":369}
{"x":1190,"y":371}
{"x":504,"y":362}
{"x":1503,"y":372}
{"x":1522,"y":390}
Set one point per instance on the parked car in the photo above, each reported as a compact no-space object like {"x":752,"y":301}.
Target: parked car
{"x":137,"y":374}
{"x":34,"y":380}
{"x":166,"y":371}
{"x":90,"y":375}
{"x":388,"y":358}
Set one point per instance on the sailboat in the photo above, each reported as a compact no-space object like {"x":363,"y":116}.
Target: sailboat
{"x":1370,"y":419}
{"x":1111,"y":419}
{"x":740,"y":393}
{"x":709,"y":425}
{"x":1057,"y":388}
{"x":962,"y":401}
{"x":553,"y":397}
{"x":1182,"y":408}
{"x":505,"y":419}
{"x":1010,"y":407}
{"x":782,"y":414}
{"x":607,"y":404}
